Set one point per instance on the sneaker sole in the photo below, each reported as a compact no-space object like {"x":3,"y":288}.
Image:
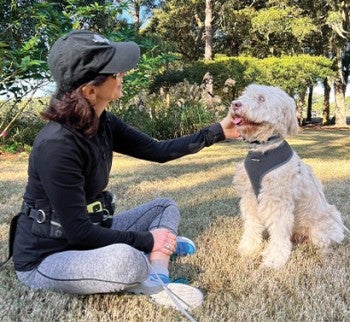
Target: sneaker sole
{"x":142,"y":289}
{"x":189,"y":297}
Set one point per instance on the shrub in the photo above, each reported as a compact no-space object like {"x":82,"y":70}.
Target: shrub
{"x":25,"y":127}
{"x":170,"y":113}
{"x":291,"y":73}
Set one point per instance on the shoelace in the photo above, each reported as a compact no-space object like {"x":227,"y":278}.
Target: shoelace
{"x":170,"y":293}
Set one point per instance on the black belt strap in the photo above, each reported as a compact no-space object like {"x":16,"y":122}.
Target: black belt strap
{"x":12,"y":232}
{"x":39,"y":215}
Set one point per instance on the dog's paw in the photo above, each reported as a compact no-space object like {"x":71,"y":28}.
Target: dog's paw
{"x":275,"y":259}
{"x":274,"y":263}
{"x":248,"y":249}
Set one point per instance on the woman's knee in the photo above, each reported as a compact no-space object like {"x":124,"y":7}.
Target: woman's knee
{"x":166,"y":201}
{"x":129,"y":263}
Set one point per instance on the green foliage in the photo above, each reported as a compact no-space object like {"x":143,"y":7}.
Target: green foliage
{"x":163,"y":122}
{"x":292,"y":73}
{"x":26,"y":123}
{"x":24,"y":31}
{"x":149,"y":66}
{"x":13,"y":146}
{"x":180,"y":22}
{"x":98,"y":16}
{"x":280,"y":30}
{"x":178,"y":111}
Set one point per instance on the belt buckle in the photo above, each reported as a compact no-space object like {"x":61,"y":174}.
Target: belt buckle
{"x":42,"y":213}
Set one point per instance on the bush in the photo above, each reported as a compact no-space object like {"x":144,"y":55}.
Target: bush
{"x":25,"y":127}
{"x":180,"y":110}
{"x":291,"y":73}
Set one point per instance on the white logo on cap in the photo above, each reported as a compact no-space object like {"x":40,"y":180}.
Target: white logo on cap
{"x":98,"y":38}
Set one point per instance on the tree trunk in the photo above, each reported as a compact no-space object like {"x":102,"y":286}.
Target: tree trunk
{"x":339,"y":87}
{"x":326,"y":109}
{"x":136,"y":16}
{"x":300,"y":108}
{"x":339,"y":96}
{"x":208,"y":55}
{"x":309,"y":104}
{"x":208,"y":89}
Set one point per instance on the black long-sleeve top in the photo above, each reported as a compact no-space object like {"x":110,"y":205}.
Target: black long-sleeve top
{"x":69,"y":170}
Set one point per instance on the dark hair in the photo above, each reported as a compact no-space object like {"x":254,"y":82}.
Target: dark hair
{"x":74,"y":110}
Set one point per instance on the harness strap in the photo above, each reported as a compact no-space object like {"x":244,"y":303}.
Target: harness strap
{"x":12,"y":232}
{"x":258,"y":164}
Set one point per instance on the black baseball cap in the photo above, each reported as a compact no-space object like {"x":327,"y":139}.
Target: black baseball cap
{"x":82,"y":55}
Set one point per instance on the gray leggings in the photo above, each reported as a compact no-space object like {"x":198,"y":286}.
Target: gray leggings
{"x":107,"y":269}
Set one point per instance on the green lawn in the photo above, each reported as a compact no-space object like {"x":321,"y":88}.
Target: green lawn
{"x":311,"y":287}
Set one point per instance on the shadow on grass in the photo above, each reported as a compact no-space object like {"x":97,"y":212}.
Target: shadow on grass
{"x":323,"y":144}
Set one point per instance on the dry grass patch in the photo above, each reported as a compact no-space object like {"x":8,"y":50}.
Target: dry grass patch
{"x":311,"y":287}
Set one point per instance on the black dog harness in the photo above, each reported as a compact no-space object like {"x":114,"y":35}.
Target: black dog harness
{"x":257,"y":164}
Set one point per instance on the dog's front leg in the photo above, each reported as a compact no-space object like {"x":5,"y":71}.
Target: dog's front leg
{"x":252,"y":227}
{"x":280,"y":220}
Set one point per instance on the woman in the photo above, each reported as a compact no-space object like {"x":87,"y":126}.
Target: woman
{"x":67,"y":238}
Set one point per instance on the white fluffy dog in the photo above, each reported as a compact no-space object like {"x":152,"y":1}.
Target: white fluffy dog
{"x":279,"y":193}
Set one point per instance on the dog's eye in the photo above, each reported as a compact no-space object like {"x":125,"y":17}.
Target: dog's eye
{"x":261,"y":98}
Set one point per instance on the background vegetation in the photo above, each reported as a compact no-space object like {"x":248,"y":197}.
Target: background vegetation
{"x":217,"y":46}
{"x":311,"y":287}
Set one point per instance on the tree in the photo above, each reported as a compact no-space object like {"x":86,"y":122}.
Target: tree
{"x":208,"y":54}
{"x":339,"y":20}
{"x":25,"y":28}
{"x":180,"y":22}
{"x":331,"y":38}
{"x":134,"y":8}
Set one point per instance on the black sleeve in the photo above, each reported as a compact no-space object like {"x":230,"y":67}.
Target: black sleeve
{"x":60,"y":167}
{"x":130,"y":141}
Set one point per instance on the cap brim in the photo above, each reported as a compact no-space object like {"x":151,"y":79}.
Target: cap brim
{"x":125,"y":57}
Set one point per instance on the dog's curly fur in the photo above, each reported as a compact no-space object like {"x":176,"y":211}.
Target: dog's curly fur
{"x":291,"y":204}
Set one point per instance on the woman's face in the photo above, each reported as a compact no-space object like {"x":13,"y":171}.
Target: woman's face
{"x":110,"y":90}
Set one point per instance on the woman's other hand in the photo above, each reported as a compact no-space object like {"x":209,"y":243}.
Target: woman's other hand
{"x":164,"y":241}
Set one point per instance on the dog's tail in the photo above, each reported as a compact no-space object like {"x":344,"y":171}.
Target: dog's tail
{"x":334,"y":217}
{"x":340,"y":223}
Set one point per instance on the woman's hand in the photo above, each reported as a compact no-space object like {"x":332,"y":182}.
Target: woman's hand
{"x":229,"y":128}
{"x":164,"y":241}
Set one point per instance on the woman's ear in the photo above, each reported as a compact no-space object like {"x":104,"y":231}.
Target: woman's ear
{"x":89,"y":93}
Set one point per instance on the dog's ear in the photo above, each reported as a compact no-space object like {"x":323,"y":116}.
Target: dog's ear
{"x":293,"y":125}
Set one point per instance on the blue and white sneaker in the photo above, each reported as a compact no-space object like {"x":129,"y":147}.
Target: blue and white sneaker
{"x":152,"y":284}
{"x":187,"y":296}
{"x":184,"y":247}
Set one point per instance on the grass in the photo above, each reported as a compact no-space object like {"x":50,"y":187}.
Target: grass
{"x":311,"y":287}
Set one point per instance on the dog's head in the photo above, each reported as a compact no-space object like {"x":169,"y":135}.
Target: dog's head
{"x":263,"y":111}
